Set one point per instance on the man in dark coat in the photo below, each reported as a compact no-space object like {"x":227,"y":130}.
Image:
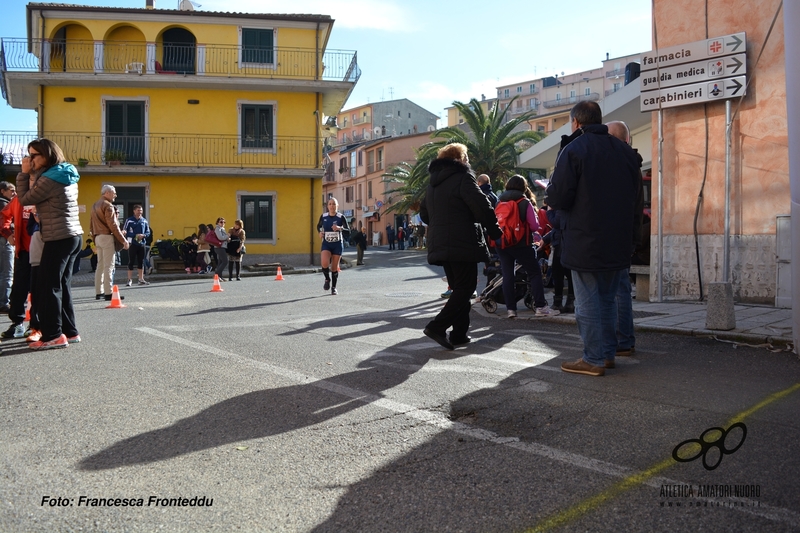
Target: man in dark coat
{"x":456,"y":212}
{"x":595,"y":183}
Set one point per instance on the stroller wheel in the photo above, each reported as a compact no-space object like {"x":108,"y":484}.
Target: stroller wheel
{"x":529,"y":301}
{"x":489,"y":304}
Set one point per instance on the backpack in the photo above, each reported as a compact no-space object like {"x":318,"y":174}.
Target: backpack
{"x":514,"y":228}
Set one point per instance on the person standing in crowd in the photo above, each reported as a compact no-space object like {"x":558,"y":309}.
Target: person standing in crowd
{"x":51,"y":184}
{"x":359,"y":239}
{"x":626,"y":339}
{"x":14,"y":227}
{"x":595,"y":183}
{"x":486,"y":188}
{"x":105,"y":229}
{"x":456,"y":212}
{"x":559,"y":272}
{"x":137,"y":231}
{"x":401,"y":238}
{"x":235,"y":249}
{"x":333,"y":229}
{"x":523,"y":253}
{"x":220,"y":242}
{"x":7,"y":193}
{"x":390,"y":236}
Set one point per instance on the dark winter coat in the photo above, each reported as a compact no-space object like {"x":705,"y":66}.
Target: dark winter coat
{"x":456,"y":211}
{"x":596,"y":183}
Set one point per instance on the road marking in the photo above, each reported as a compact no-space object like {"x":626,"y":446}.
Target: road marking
{"x":631,"y":478}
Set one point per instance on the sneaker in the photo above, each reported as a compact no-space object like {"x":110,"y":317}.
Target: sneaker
{"x":626,"y":351}
{"x":334,"y":291}
{"x":187,"y":269}
{"x":512,"y":314}
{"x":99,"y":296}
{"x":327,"y":285}
{"x":58,"y":342}
{"x":440,"y":338}
{"x":35,"y":336}
{"x":14,"y":331}
{"x":74,"y":339}
{"x":130,"y":282}
{"x":447,"y":293}
{"x":143,"y":282}
{"x":238,"y":278}
{"x":582,"y":367}
{"x":546,"y":311}
{"x":28,"y":332}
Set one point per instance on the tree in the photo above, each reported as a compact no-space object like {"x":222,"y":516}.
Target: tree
{"x":492,"y":144}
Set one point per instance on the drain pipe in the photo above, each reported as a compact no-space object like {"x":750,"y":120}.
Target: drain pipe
{"x":791,"y":19}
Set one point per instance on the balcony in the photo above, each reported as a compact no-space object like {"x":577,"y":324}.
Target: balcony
{"x":615,"y":73}
{"x":521,"y":110}
{"x":26,"y":64}
{"x":572,"y":100}
{"x":134,"y":154}
{"x":361,"y":120}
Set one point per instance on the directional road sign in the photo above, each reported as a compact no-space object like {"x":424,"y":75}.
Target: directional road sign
{"x":704,"y":70}
{"x":690,"y":52}
{"x":696,"y":93}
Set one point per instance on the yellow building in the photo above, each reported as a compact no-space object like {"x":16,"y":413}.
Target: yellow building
{"x":196,"y":115}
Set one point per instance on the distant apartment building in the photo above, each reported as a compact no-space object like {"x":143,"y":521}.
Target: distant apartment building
{"x":454,"y":117}
{"x":393,"y":118}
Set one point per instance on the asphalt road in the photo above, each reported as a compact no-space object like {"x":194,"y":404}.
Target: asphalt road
{"x":283,"y":408}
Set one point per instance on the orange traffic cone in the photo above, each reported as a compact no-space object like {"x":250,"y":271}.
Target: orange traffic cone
{"x":116,"y":301}
{"x":217,"y":287}
{"x":279,"y":277}
{"x":28,"y":309}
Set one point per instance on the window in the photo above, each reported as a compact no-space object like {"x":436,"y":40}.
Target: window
{"x":533,"y":88}
{"x":369,"y":190}
{"x":125,"y":131}
{"x":258,"y":216}
{"x":587,"y":91}
{"x":519,"y":89}
{"x":344,"y":122}
{"x":361,"y":153}
{"x":257,"y":125}
{"x":343,"y":165}
{"x":558,"y":96}
{"x":348,"y":194}
{"x":257,"y":46}
{"x":532,"y":102}
{"x":540,"y":128}
{"x":572,"y":94}
{"x":353,"y":164}
{"x":371,"y":161}
{"x":380,"y":159}
{"x":505,"y":93}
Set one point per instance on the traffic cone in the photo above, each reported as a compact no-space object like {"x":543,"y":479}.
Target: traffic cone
{"x":116,"y":301}
{"x":279,"y":277}
{"x":217,"y":287}
{"x":28,"y":309}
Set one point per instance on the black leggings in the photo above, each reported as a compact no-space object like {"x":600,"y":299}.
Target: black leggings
{"x":135,"y":256}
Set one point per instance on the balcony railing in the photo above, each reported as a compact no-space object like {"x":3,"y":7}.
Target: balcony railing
{"x":615,"y":73}
{"x":361,"y":120}
{"x":571,"y":100}
{"x":166,"y":149}
{"x":521,"y":109}
{"x":157,"y":59}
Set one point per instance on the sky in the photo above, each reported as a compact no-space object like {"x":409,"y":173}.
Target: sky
{"x":433,"y":52}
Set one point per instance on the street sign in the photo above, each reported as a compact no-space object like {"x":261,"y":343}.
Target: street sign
{"x":690,"y":52}
{"x":696,"y":93}
{"x":703,"y":70}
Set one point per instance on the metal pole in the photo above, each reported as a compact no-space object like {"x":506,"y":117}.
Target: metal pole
{"x":726,"y":245}
{"x":660,"y":238}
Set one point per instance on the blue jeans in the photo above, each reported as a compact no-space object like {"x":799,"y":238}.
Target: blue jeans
{"x":625,"y":337}
{"x":526,"y":257}
{"x":6,"y":271}
{"x":596,"y":313}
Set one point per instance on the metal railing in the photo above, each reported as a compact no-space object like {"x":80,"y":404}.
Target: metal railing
{"x":168,"y":149}
{"x":615,"y":73}
{"x":571,"y":100}
{"x":157,"y":59}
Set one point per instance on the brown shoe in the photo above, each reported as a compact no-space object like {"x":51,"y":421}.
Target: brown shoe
{"x":610,"y":364}
{"x":625,"y":351}
{"x":582,"y":367}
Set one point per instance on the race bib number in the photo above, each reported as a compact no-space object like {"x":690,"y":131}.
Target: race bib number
{"x":333,"y":236}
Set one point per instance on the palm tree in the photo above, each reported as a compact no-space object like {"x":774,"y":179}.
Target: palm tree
{"x":492,"y":144}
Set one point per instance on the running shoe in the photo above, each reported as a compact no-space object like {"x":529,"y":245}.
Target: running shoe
{"x":58,"y":342}
{"x":35,"y":336}
{"x":334,"y":291}
{"x":327,"y":285}
{"x":130,"y":282}
{"x":546,"y":311}
{"x":74,"y":340}
{"x":143,"y":282}
{"x":14,"y":331}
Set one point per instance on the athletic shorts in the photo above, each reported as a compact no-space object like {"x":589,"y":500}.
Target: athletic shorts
{"x":335,"y":248}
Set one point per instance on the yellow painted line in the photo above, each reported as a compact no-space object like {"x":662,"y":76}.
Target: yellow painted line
{"x":580,"y":509}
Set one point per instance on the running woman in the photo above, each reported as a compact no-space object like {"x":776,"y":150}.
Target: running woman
{"x":331,"y":226}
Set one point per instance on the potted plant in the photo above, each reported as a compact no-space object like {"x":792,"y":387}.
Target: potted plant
{"x":83,"y":162}
{"x":114,"y":157}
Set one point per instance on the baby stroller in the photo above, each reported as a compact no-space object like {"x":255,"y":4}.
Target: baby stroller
{"x":493,"y":293}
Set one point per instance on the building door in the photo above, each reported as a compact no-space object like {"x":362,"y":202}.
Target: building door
{"x":179,"y":51}
{"x":127,"y":197}
{"x":125,"y":132}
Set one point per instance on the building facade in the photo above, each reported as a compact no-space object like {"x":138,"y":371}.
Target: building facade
{"x":194,"y":115}
{"x":393,"y":118}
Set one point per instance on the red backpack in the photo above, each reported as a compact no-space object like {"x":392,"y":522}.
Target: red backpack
{"x":514,"y":228}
